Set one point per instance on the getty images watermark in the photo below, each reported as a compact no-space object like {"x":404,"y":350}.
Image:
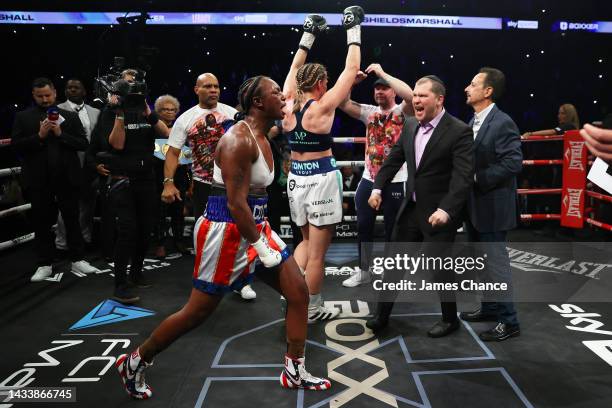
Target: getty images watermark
{"x":496,"y":271}
{"x":434,"y":265}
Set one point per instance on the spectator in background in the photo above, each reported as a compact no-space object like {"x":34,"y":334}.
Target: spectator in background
{"x":551,"y":176}
{"x":75,"y":102}
{"x":200,"y":128}
{"x":568,"y":120}
{"x":167,"y":107}
{"x":47,"y":139}
{"x":350,"y":180}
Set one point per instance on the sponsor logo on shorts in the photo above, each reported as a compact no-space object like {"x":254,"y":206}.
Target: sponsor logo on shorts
{"x":294,"y":185}
{"x":259,"y":212}
{"x":321,"y":202}
{"x":304,"y":166}
{"x":322,"y":214}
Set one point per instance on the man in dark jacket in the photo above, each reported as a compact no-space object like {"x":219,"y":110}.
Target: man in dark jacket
{"x":492,"y":202}
{"x":47,"y":139}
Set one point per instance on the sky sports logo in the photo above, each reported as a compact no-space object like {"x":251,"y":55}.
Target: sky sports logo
{"x":523,"y":24}
{"x":569,"y":26}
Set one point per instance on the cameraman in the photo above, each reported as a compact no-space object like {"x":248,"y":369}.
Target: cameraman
{"x":132,"y":182}
{"x":99,"y":172}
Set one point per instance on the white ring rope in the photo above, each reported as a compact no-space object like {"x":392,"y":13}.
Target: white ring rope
{"x":10,"y":171}
{"x":16,"y":241}
{"x":15,"y":210}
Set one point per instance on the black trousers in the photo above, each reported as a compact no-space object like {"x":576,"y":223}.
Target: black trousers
{"x":173,"y":210}
{"x":45,"y":204}
{"x":278,"y":204}
{"x":201,"y":191}
{"x":108,"y":222}
{"x":135,"y":202}
{"x":412,"y":226}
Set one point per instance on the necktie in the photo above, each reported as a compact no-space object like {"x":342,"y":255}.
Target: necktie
{"x":77,"y":109}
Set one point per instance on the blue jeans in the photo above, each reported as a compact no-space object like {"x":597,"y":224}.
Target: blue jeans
{"x":498,"y":271}
{"x":392,"y":197}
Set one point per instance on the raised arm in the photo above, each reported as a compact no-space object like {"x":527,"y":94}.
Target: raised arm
{"x":351,"y":20}
{"x":314,"y":24}
{"x":349,"y":106}
{"x":402,"y":89}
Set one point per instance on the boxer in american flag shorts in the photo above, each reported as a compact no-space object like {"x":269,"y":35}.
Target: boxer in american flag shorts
{"x":233,"y":240}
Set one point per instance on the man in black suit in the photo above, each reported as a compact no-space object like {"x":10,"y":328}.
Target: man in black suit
{"x":438,"y":150}
{"x":492,"y":202}
{"x":47,"y":144}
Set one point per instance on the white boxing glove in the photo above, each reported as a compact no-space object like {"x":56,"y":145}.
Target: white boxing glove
{"x":268,"y":256}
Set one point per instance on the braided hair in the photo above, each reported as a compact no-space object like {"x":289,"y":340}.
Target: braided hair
{"x":307,"y":77}
{"x":247,"y":91}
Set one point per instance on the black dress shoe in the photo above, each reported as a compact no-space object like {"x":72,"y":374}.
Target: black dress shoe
{"x":381,"y":317}
{"x":477,"y":316}
{"x":500,"y":332}
{"x":377,"y":323}
{"x":442,"y":328}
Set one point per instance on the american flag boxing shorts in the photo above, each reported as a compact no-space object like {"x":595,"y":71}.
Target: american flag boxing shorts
{"x":225,"y":261}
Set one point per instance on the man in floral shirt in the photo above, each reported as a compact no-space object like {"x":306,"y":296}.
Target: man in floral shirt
{"x":384,"y":123}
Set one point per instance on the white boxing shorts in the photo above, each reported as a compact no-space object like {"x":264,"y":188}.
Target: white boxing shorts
{"x":314,"y":188}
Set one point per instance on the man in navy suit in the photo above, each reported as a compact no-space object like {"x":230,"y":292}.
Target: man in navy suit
{"x":492,"y":201}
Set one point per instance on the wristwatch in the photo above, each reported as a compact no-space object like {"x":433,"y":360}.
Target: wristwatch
{"x":168,"y":180}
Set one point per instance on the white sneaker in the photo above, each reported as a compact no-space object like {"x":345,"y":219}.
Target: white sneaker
{"x":320,"y":313}
{"x":247,"y":293}
{"x":83,"y":267}
{"x":358,"y":278}
{"x":42,"y":273}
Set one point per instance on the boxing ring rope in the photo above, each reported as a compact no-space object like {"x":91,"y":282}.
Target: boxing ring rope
{"x":13,"y":171}
{"x":15,"y":210}
{"x":533,"y":138}
{"x":599,"y":224}
{"x":527,"y":191}
{"x":17,"y":241}
{"x":540,"y":217}
{"x":599,"y":196}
